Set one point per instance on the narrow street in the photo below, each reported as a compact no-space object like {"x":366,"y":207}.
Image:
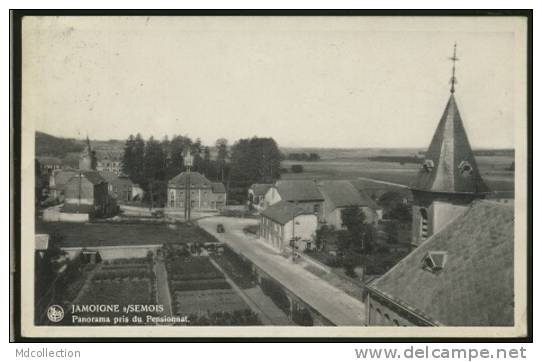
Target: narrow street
{"x":334,"y":304}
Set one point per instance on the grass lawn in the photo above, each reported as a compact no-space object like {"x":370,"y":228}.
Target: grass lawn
{"x":110,"y":234}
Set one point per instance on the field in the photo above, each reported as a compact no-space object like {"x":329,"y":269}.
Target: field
{"x":200,"y":292}
{"x":494,"y":169}
{"x":122,"y":282}
{"x":110,"y":234}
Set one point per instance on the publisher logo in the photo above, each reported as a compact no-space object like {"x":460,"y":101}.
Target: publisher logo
{"x":55,"y":313}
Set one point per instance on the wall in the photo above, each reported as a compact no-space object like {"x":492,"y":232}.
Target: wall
{"x":202,"y":198}
{"x":305,"y":227}
{"x":443,"y":213}
{"x":54,"y":214}
{"x":79,"y":190}
{"x":271,"y":197}
{"x":382,"y":315}
{"x":115,"y":252}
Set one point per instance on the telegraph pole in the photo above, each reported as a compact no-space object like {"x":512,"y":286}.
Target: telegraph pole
{"x":188,"y":160}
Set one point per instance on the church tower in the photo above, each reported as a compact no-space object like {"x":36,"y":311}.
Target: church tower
{"x":85,"y":160}
{"x":448,"y":180}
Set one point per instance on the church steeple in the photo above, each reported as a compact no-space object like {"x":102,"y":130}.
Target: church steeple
{"x":449,"y":165}
{"x":449,"y":179}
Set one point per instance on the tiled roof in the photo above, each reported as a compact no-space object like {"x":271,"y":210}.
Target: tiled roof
{"x":447,"y":156}
{"x":283,"y":211}
{"x":475,"y":286}
{"x":197,"y":180}
{"x":298,"y":190}
{"x":341,"y":193}
{"x":260,"y":189}
{"x":218,"y":187}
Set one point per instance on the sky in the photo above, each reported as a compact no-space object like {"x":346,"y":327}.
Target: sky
{"x":340,"y":82}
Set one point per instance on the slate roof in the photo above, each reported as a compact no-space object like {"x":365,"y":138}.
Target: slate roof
{"x":283,"y":211}
{"x":63,"y":176}
{"x":49,"y":160}
{"x":197,"y":181}
{"x":449,"y":149}
{"x":298,"y":190}
{"x":218,"y":187}
{"x":260,"y":189}
{"x":341,"y":193}
{"x":93,"y":176}
{"x":476,"y":285}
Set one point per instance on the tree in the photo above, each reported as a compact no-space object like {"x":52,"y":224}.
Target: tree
{"x":361,"y":233}
{"x":154,"y":170}
{"x":296,"y":168}
{"x":222,"y":154}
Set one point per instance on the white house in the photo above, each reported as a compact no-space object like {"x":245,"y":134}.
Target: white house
{"x":302,"y":193}
{"x":283,"y":222}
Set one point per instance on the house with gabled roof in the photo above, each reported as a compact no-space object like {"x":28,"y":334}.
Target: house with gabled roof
{"x":256,"y":195}
{"x":461,"y":276}
{"x":283,"y":222}
{"x":86,"y":192}
{"x":204,"y":194}
{"x":302,"y":193}
{"x":341,"y":194}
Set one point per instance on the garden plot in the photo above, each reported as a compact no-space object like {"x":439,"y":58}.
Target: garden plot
{"x":203,"y":302}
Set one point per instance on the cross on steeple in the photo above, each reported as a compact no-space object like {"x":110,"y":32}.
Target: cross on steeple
{"x":454,"y":59}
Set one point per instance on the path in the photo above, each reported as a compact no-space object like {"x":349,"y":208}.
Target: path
{"x":383,"y":182}
{"x":331,"y":302}
{"x":163,"y":296}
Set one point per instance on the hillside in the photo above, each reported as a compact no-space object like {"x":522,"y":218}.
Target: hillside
{"x":47,"y":145}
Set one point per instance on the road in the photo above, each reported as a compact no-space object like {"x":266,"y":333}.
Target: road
{"x":334,"y":304}
{"x":383,"y":182}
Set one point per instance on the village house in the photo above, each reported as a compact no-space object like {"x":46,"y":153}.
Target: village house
{"x":87,"y":193}
{"x":283,"y":222}
{"x":121,"y":187}
{"x":204,"y":194}
{"x":302,"y":193}
{"x":256,"y":195}
{"x":341,"y":194}
{"x":49,"y":164}
{"x":461,"y":276}
{"x":58,"y":181}
{"x":109,"y":162}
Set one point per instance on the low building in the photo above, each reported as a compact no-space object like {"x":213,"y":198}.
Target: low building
{"x":49,"y":164}
{"x":58,"y":181}
{"x":120,"y":187}
{"x":302,"y":193}
{"x":256,"y":195}
{"x":87,"y":193}
{"x":341,"y":194}
{"x":109,"y":162}
{"x":461,"y":276}
{"x":283,"y":221}
{"x":204,"y":194}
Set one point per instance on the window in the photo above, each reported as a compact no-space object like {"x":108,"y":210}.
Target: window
{"x":316,"y":208}
{"x":428,"y":165}
{"x":434,"y":261}
{"x":465,"y":168}
{"x":424,"y":223}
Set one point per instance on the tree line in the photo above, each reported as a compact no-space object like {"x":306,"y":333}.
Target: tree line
{"x":152,"y":163}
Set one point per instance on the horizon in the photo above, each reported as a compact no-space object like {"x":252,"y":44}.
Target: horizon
{"x":306,"y":82}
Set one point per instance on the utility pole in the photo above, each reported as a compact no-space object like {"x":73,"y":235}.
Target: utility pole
{"x":188,"y":160}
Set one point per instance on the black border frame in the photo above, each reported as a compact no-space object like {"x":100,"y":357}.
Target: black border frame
{"x":16,"y":17}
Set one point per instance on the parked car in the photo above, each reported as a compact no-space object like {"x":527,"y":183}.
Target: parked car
{"x":220,"y":228}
